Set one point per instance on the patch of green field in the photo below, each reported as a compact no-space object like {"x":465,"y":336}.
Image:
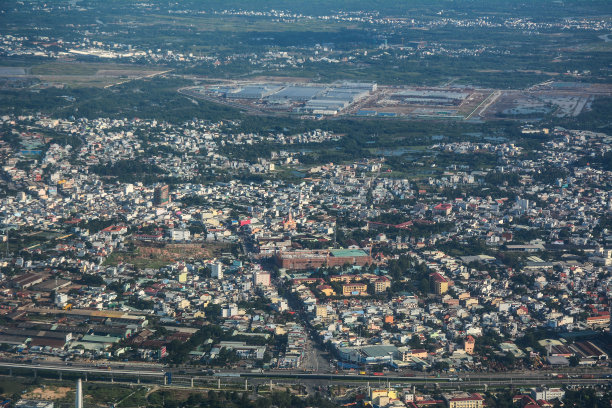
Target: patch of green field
{"x":238,"y":24}
{"x":76,"y":81}
{"x":134,"y":258}
{"x":408,"y":175}
{"x":62,"y":68}
{"x":113,"y":394}
{"x":13,"y":385}
{"x":599,"y":47}
{"x":95,"y":394}
{"x":76,"y":74}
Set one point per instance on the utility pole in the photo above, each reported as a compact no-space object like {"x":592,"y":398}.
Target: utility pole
{"x":78,"y":398}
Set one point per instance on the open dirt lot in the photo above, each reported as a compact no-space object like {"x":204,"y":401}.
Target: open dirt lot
{"x":151,"y":255}
{"x":48,"y":393}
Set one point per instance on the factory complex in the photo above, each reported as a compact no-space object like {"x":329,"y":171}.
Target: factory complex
{"x":316,"y":99}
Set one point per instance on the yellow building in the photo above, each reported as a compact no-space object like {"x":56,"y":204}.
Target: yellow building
{"x":326,"y":290}
{"x":464,"y":295}
{"x":383,"y":396}
{"x":354,"y":289}
{"x":183,"y":304}
{"x":321,"y":311}
{"x":470,"y":302}
{"x":382,"y":284}
{"x":182,"y":278}
{"x":439,"y":283}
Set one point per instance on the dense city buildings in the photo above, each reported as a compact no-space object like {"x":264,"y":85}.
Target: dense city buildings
{"x":121,"y":271}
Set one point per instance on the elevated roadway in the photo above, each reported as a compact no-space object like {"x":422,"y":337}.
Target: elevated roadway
{"x":157,"y":373}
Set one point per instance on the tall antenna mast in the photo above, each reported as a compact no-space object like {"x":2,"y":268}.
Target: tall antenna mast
{"x":335,"y":229}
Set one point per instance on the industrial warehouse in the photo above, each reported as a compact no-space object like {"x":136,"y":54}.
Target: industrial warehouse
{"x":360,"y":99}
{"x":368,"y":99}
{"x":298,"y":98}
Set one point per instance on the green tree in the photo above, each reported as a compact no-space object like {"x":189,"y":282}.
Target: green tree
{"x":424,"y":286}
{"x":574,"y":361}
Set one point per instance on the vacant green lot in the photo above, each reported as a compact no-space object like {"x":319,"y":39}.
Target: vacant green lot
{"x":64,"y":68}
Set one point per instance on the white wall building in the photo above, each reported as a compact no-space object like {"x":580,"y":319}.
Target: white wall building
{"x":547,"y":394}
{"x":216,"y":270}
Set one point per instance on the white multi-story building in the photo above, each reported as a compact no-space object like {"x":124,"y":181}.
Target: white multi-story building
{"x":216,"y":270}
{"x":179,"y":234}
{"x":229,"y":310}
{"x":547,"y":394}
{"x":61,"y":299}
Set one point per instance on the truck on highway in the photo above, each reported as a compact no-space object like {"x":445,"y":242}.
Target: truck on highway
{"x":226,"y":375}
